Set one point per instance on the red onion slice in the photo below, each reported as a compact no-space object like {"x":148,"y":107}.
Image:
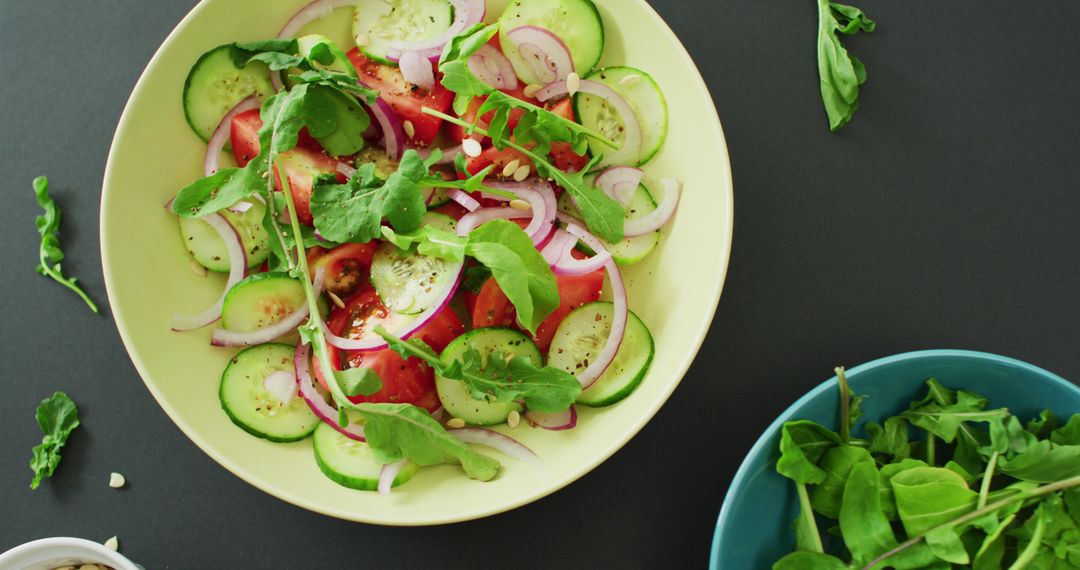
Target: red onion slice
{"x":543,"y":204}
{"x":314,"y":11}
{"x":315,"y":401}
{"x":237,"y":267}
{"x":416,"y":69}
{"x":463,"y":198}
{"x":288,"y":324}
{"x":281,"y":385}
{"x":569,"y":265}
{"x":618,"y":322}
{"x":491,"y":66}
{"x":466,"y":14}
{"x":473,"y":220}
{"x":217,"y":142}
{"x":554,"y":421}
{"x":556,"y":246}
{"x":393,"y":131}
{"x":631,"y":146}
{"x":544,"y":51}
{"x":497,"y":441}
{"x":387,"y":474}
{"x":620,"y":182}
{"x":404,"y":331}
{"x":656,"y":219}
{"x":345,"y":169}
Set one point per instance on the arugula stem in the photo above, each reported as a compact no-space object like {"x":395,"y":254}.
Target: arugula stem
{"x":988,"y":475}
{"x":806,"y":512}
{"x":1032,"y":548}
{"x":845,"y":405}
{"x":931,"y":444}
{"x":1022,"y":496}
{"x":70,"y":284}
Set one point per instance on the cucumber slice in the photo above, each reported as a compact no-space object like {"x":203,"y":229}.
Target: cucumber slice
{"x":408,"y":282}
{"x":260,"y":301}
{"x":384,"y":165}
{"x":642,"y":94}
{"x":207,"y":247}
{"x":252,"y":408}
{"x":441,"y":222}
{"x":583,"y":334}
{"x":376,"y":23}
{"x":349,"y":463}
{"x":214,"y":86}
{"x":576,"y":22}
{"x":439,"y":198}
{"x":453,"y":394}
{"x":630,"y":250}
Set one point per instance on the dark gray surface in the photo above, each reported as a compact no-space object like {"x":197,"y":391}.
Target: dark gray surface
{"x":945,"y":215}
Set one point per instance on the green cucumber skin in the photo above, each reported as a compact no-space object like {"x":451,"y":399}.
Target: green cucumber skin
{"x":239,"y":422}
{"x":506,"y":26}
{"x":192,"y":122}
{"x":596,"y":76}
{"x":349,"y":481}
{"x":381,"y":58}
{"x":617,"y":251}
{"x":252,"y":280}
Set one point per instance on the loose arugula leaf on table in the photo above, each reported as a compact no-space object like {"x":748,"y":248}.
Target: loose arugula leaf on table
{"x":58,"y":417}
{"x":497,"y":378}
{"x":49,"y":253}
{"x":840,"y":73}
{"x":403,"y":431}
{"x":354,"y":211}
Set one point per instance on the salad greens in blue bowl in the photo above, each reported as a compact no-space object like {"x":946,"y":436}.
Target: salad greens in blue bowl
{"x":930,"y":459}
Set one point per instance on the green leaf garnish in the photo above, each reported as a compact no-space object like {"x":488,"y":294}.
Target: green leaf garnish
{"x":49,"y":253}
{"x":841,"y":73}
{"x":57,"y":416}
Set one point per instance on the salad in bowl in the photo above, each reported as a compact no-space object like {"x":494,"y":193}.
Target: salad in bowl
{"x":418,"y":228}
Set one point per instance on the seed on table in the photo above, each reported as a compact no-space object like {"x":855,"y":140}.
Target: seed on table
{"x":511,"y":167}
{"x":116,"y":480}
{"x":520,"y":205}
{"x":113,"y":543}
{"x":456,"y":423}
{"x":522,"y":173}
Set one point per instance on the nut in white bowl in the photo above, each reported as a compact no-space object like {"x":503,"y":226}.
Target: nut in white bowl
{"x":63,"y":552}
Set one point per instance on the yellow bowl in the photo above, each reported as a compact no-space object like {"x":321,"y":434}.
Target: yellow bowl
{"x":155,"y":153}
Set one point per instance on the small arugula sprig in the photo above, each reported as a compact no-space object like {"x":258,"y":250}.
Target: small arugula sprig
{"x":533,"y":135}
{"x":497,"y":377}
{"x":57,"y":416}
{"x":1009,"y":494}
{"x":840,"y":73}
{"x":49,"y":254}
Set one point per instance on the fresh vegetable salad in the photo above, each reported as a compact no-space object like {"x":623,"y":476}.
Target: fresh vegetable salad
{"x":418,"y":229}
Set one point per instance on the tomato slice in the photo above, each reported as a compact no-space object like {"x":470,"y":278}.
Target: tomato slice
{"x":404,"y":381}
{"x":346,"y":266}
{"x":562,"y":154}
{"x":406,"y":99}
{"x":301,"y":164}
{"x":493,"y":309}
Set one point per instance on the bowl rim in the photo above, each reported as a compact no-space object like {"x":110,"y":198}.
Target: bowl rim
{"x":697,"y":83}
{"x":766,"y":436}
{"x":59,"y":544}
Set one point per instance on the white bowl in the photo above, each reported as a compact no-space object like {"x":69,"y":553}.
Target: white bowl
{"x":50,"y":553}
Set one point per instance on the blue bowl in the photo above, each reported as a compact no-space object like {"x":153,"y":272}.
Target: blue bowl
{"x":754,"y":529}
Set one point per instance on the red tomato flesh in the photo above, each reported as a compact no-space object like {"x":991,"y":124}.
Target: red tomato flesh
{"x":406,"y":99}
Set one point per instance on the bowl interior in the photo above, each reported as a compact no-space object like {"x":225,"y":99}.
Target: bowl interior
{"x":754,"y":529}
{"x":146,"y":269}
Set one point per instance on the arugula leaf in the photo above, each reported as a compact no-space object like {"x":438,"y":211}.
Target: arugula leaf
{"x":809,"y":561}
{"x":49,"y":253}
{"x":929,"y":496}
{"x":403,"y":431}
{"x":220,"y":190}
{"x":1069,"y":434}
{"x":891,"y":440}
{"x":943,"y":412}
{"x":863,"y":524}
{"x":1043,"y":462}
{"x":475,"y":277}
{"x":336,"y":120}
{"x":454,"y":65}
{"x":802,"y":444}
{"x":276,"y":53}
{"x":497,"y":378}
{"x":807,"y":535}
{"x":517,"y":266}
{"x":1042,"y":425}
{"x":838,"y":463}
{"x":429,"y":241}
{"x":840,"y":72}
{"x":353,"y":212}
{"x":358,"y":381}
{"x":58,"y":417}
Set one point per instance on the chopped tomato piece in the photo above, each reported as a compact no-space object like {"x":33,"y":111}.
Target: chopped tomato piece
{"x":562,"y":154}
{"x":346,"y":266}
{"x":406,"y":99}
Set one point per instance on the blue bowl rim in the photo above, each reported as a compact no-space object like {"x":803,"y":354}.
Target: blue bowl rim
{"x":766,"y":436}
